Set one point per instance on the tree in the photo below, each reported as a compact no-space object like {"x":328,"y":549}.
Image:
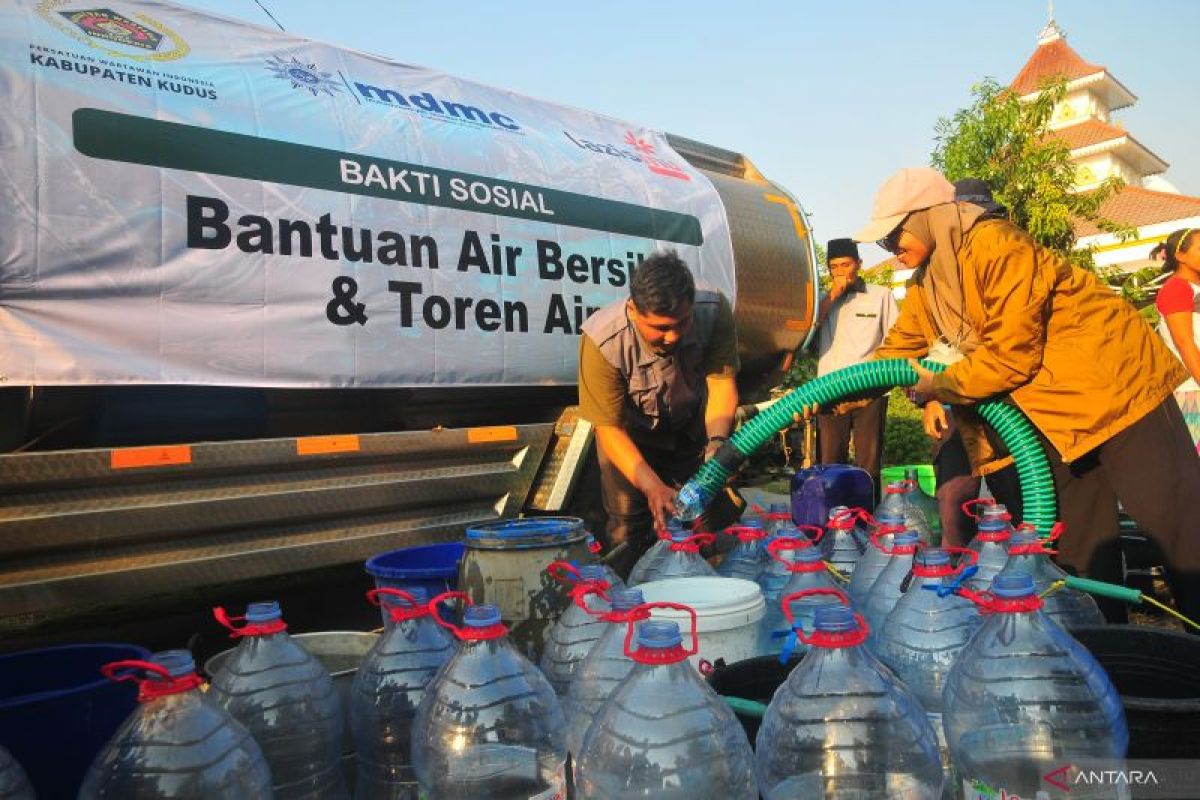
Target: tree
{"x":1003,"y":142}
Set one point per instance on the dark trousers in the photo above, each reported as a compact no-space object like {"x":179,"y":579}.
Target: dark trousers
{"x":956,"y":485}
{"x":1152,"y":469}
{"x":629,"y":520}
{"x":866,"y":426}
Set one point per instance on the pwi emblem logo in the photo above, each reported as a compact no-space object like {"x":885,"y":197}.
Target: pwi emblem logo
{"x":104,"y":23}
{"x":132,"y":36}
{"x":304,"y":76}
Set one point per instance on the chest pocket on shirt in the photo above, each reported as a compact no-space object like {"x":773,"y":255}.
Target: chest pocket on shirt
{"x":645,"y":388}
{"x":670,"y":392}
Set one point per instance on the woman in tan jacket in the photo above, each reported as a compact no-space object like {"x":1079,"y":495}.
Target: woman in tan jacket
{"x":1010,"y":317}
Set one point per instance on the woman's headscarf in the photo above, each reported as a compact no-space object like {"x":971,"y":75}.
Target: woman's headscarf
{"x":941,"y":228}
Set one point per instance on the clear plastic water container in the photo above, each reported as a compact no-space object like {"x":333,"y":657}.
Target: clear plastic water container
{"x":847,"y":535}
{"x":899,"y":499}
{"x":490,"y":726}
{"x":14,"y":783}
{"x":656,"y":551}
{"x":603,"y":669}
{"x":178,"y":743}
{"x":388,"y":688}
{"x":576,"y":630}
{"x":1025,"y":698}
{"x":993,"y":531}
{"x":806,"y":570}
{"x":892,"y":580}
{"x":664,"y":733}
{"x":874,"y":558}
{"x":681,"y":559}
{"x":926,"y":631}
{"x":749,"y":556}
{"x":1071,"y":608}
{"x":286,"y":699}
{"x":842,"y":725}
{"x":776,"y":516}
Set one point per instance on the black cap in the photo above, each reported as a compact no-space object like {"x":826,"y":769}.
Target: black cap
{"x":842,"y":248}
{"x":976,"y":192}
{"x":972,"y":190}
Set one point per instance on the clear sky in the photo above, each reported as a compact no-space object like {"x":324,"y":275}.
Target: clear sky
{"x":826,"y":98}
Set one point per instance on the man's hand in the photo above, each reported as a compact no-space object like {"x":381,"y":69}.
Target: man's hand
{"x":661,"y":500}
{"x":838,"y":287}
{"x":934,"y":419}
{"x":924,"y":384}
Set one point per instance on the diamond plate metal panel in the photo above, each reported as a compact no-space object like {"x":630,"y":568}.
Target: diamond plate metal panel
{"x":76,"y":534}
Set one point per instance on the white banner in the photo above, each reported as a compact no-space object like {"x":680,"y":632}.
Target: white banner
{"x":192,"y":200}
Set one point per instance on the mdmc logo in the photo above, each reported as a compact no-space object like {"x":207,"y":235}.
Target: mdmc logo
{"x":436,"y":107}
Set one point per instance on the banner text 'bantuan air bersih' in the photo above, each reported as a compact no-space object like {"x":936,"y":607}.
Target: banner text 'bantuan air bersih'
{"x":189,"y":199}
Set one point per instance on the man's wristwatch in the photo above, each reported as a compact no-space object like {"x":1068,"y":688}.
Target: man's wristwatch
{"x":718,"y":438}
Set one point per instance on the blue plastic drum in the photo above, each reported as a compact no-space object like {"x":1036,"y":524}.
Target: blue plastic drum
{"x":57,"y":710}
{"x":432,"y":567}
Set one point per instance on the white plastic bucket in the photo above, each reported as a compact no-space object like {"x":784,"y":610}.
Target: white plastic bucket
{"x":728,"y":612}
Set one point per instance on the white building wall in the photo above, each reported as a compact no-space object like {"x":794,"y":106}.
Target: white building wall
{"x":1135,"y":252}
{"x":1076,"y":107}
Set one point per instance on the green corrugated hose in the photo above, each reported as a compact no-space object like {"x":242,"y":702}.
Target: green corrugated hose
{"x":1018,"y":435}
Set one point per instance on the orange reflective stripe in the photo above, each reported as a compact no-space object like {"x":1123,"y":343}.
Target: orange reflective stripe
{"x":318,"y":445}
{"x":133,"y":457}
{"x":499,"y":433}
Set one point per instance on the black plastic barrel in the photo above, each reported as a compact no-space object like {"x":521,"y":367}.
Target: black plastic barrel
{"x":1157,"y":673}
{"x":57,"y":710}
{"x":752,"y":679}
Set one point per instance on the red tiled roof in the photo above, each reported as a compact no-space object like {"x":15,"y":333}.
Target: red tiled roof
{"x":1087,"y":133}
{"x":1136,"y":206}
{"x":1052,"y":59}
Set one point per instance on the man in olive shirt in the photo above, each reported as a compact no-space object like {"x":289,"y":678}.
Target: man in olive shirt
{"x":656,"y":378}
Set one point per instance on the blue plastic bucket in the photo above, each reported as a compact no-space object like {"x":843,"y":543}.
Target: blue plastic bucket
{"x":57,"y":711}
{"x":433,"y":567}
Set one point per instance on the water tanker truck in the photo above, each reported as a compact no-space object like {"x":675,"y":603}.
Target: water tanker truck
{"x":269,"y":306}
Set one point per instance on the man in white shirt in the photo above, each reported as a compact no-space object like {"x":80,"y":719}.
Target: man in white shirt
{"x":852,"y":321}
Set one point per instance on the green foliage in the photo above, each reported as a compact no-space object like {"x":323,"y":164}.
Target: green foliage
{"x":881,"y":277}
{"x":1136,"y":287}
{"x":904,"y":439}
{"x":803,"y":370}
{"x":1003,"y":142}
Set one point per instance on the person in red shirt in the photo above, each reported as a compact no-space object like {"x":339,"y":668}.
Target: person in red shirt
{"x":1179,"y":306}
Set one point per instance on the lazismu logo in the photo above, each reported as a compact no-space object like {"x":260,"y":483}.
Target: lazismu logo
{"x":426,"y":102}
{"x":638,"y":150}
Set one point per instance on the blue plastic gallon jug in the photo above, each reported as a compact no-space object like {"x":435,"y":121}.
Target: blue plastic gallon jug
{"x":818,"y":489}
